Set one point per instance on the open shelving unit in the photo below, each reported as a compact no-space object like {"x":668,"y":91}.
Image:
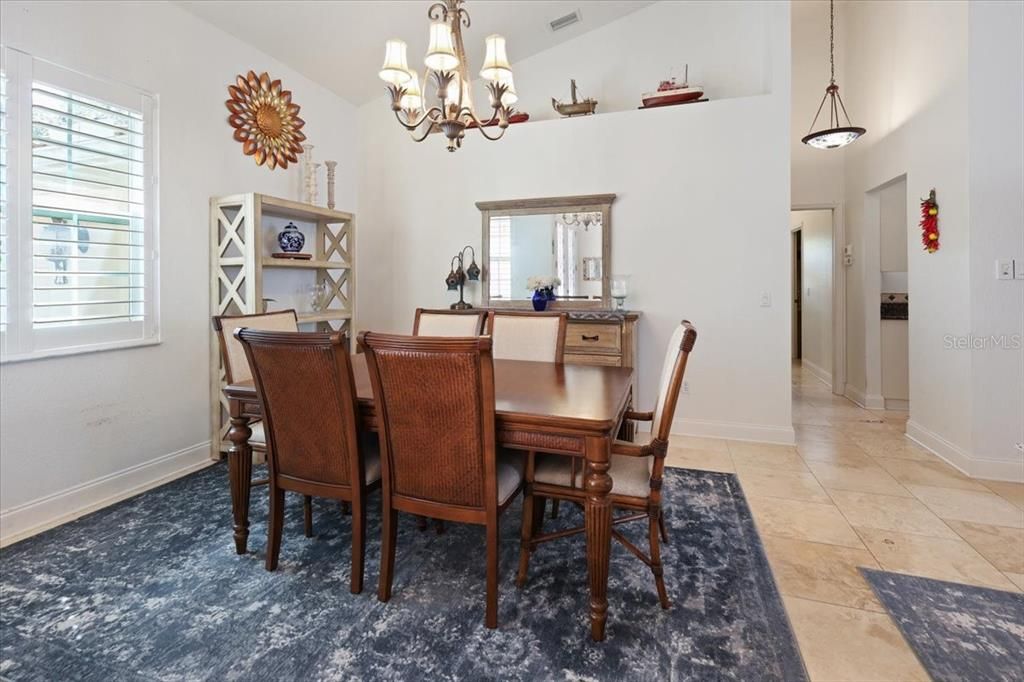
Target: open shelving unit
{"x":244,"y":275}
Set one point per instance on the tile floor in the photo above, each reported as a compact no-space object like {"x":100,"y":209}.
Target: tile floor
{"x":855,"y":492}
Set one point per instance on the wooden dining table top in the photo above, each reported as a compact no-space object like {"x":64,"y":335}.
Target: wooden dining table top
{"x":569,"y":396}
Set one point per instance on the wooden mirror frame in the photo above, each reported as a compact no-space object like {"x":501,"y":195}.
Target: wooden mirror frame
{"x":586,"y":203}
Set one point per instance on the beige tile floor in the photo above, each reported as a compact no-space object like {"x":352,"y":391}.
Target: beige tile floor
{"x":855,"y":492}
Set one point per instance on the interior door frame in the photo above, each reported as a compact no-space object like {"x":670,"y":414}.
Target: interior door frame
{"x":838,"y":291}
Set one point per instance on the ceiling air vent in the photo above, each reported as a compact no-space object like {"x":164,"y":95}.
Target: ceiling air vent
{"x":563,"y":22}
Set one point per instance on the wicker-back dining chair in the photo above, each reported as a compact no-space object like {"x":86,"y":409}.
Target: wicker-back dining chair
{"x":435,"y":410}
{"x":308,"y":399}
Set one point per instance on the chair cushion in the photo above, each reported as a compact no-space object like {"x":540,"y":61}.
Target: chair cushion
{"x":258,"y":439}
{"x":631,"y":476}
{"x":510,"y":474}
{"x":448,"y":325}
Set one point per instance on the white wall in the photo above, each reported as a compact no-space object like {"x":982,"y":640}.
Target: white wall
{"x":703,"y":203}
{"x":77,"y":430}
{"x":817,"y":174}
{"x":816,"y":322}
{"x":996,"y":133}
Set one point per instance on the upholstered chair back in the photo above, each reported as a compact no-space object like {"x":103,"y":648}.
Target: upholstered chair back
{"x":308,"y":398}
{"x":435,"y":409}
{"x":672,"y":369}
{"x":449,"y":322}
{"x":236,"y":367}
{"x":538,"y":337}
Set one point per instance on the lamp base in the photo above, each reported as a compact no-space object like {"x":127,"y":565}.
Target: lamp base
{"x":461,"y":305}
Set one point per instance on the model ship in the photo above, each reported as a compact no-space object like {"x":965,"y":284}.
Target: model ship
{"x":577,"y":107}
{"x":671,"y":92}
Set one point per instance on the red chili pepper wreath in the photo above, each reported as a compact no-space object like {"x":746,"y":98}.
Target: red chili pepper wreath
{"x":930,"y":223}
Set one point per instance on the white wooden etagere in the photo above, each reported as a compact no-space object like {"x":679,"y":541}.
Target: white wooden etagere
{"x":243,"y":235}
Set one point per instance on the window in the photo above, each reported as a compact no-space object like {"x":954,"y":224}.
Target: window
{"x":77,"y":218}
{"x":500,"y":255}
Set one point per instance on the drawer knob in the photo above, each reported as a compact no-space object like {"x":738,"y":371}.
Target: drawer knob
{"x":595,"y":337}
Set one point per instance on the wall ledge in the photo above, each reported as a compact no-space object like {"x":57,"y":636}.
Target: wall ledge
{"x":36,"y":516}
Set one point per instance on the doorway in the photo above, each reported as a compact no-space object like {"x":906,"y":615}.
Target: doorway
{"x":812,"y":291}
{"x":795,"y":289}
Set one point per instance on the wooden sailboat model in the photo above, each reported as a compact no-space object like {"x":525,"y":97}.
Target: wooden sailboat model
{"x":577,"y":107}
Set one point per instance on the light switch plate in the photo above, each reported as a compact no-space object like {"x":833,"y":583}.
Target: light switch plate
{"x":766,"y":299}
{"x":1004,"y":269}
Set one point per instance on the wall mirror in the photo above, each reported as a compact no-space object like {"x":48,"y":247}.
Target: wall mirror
{"x":568,"y":238}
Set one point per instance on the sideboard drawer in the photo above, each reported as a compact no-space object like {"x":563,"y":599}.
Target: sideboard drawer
{"x":593,"y":337}
{"x":585,"y":359}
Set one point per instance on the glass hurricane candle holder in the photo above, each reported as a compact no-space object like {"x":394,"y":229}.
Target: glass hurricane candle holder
{"x":620,"y":290}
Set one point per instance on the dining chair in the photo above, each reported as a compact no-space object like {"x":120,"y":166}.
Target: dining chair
{"x":435,"y":410}
{"x":236,"y":368}
{"x":308,"y":401}
{"x":449,"y":322}
{"x":636,"y":471}
{"x":528,"y":335}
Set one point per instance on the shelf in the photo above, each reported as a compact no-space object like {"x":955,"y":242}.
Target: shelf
{"x":307,"y":264}
{"x":325,"y":316}
{"x":294,"y":209}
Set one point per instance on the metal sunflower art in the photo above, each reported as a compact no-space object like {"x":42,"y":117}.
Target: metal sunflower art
{"x":265,"y":119}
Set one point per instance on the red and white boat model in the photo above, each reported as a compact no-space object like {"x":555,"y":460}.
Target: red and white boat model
{"x":671,"y":92}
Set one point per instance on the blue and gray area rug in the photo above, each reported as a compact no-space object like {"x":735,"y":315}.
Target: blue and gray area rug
{"x":960,"y":633}
{"x":151,"y":589}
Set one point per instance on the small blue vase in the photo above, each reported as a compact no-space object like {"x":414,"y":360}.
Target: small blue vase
{"x":540,"y":300}
{"x":291,"y":239}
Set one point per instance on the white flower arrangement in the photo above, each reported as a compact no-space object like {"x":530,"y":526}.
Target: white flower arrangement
{"x":542,"y":282}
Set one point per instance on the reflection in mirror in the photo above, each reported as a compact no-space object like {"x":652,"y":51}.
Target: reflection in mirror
{"x":563,"y":245}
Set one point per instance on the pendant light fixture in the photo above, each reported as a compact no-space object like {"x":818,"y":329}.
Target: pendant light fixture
{"x":836,"y":135}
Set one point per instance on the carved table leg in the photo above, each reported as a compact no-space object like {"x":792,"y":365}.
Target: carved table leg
{"x":598,"y":516}
{"x":240,"y":472}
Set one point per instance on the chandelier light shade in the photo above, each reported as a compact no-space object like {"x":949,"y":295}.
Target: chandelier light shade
{"x":496,"y":64}
{"x":450,"y":108}
{"x":836,"y":134}
{"x":441,"y":52}
{"x":396,"y":67}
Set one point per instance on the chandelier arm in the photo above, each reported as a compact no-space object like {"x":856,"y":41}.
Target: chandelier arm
{"x":417,"y":124}
{"x":438,"y":12}
{"x":480,"y":124}
{"x":492,"y":139}
{"x":811,"y":129}
{"x":426,"y":131}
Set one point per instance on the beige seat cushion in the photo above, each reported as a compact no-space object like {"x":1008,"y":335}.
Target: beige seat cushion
{"x":523,"y":337}
{"x":448,"y":325}
{"x":631,"y":476}
{"x":510,"y":474}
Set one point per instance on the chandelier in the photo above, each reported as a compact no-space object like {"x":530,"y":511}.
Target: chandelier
{"x":446,"y":69}
{"x":584,"y":220}
{"x":836,"y":135}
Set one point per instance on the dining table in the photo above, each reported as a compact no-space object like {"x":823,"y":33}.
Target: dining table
{"x":560,"y":409}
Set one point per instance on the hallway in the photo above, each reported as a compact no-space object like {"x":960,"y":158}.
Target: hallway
{"x":855,"y":492}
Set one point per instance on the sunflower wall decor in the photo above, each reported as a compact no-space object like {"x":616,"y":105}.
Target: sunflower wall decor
{"x":265,"y":119}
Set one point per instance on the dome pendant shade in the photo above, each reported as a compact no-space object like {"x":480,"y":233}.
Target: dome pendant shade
{"x":836,"y":135}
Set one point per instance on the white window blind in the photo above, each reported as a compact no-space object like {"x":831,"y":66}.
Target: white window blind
{"x":500,"y":257}
{"x":82,"y":244}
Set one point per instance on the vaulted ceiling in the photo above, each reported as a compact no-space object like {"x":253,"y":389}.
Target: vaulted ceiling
{"x":340,"y":44}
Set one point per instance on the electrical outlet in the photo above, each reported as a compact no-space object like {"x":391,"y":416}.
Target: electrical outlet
{"x":686,"y":386}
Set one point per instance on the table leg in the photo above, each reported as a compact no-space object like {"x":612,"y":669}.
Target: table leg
{"x":598,"y":517}
{"x":240,"y":473}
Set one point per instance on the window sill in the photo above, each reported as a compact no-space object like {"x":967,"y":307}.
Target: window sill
{"x":79,"y":350}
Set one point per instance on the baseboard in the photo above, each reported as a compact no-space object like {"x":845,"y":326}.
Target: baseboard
{"x":897,"y":404}
{"x":759,"y":433}
{"x":25,"y":520}
{"x":989,"y":469}
{"x":868,"y":402}
{"x":817,"y":372}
